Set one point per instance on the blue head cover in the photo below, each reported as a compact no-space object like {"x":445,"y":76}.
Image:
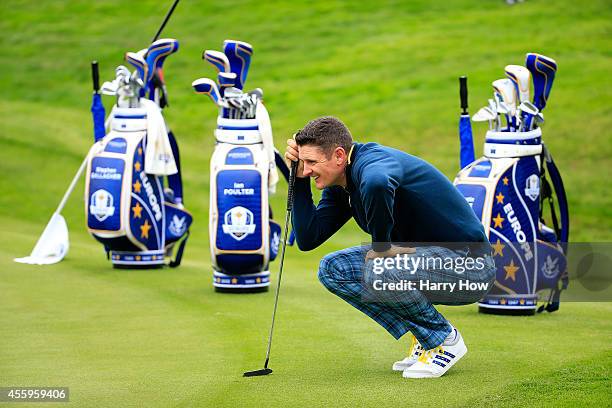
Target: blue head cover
{"x":543,"y":71}
{"x":137,"y":60}
{"x":157,"y":53}
{"x":239,"y":55}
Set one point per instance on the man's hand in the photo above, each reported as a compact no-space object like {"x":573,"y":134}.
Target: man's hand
{"x":292,"y":155}
{"x":390,"y":253}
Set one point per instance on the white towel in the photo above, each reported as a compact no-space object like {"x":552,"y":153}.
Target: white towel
{"x":265,"y":129}
{"x":158,"y":159}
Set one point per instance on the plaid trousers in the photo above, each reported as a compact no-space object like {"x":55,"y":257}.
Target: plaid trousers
{"x":346,"y":274}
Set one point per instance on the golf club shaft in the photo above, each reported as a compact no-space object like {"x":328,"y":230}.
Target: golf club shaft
{"x":165,"y":21}
{"x":292,"y":175}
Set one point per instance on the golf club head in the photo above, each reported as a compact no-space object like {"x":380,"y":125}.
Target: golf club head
{"x":109,"y":88}
{"x":239,"y":55}
{"x":137,"y":60}
{"x":521,"y":79}
{"x":505,"y":88}
{"x":156,"y":54}
{"x":217,"y":59}
{"x":543,"y":71}
{"x":258,"y":92}
{"x":122,"y":72}
{"x":258,"y":373}
{"x":529,"y":108}
{"x":209,"y":87}
{"x":484,"y":114}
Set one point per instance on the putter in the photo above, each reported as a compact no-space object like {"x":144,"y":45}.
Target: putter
{"x":265,"y":370}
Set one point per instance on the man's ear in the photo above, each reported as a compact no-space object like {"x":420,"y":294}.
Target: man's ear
{"x":339,"y":155}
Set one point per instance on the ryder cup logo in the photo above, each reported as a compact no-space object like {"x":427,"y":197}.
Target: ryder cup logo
{"x":101,"y":205}
{"x":177,"y":226}
{"x":550,"y":268}
{"x":532,"y":187}
{"x":238,"y":223}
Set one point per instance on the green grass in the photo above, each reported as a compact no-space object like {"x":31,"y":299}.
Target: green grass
{"x":164,"y":338}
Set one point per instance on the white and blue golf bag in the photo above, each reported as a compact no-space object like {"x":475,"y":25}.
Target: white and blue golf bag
{"x":128,"y":210}
{"x":508,"y":189}
{"x":243,"y":237}
{"x":243,"y":172}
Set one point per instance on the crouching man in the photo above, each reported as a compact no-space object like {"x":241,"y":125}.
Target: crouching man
{"x":396,"y":198}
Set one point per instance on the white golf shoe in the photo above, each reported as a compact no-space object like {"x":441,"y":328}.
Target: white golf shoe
{"x":437,"y":361}
{"x":414,"y":352}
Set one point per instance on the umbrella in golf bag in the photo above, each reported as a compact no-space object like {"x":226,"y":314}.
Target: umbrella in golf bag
{"x":466,"y":151}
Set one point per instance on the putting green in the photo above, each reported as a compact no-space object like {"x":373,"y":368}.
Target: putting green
{"x":164,"y":337}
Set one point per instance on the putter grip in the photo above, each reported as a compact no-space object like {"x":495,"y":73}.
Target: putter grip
{"x":95,"y":76}
{"x":292,"y":175}
{"x":463,"y":93}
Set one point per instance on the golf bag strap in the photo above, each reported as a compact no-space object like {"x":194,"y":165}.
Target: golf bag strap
{"x":179,"y":252}
{"x":175,"y":181}
{"x":562,"y":231}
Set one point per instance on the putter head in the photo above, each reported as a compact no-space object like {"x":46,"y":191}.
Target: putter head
{"x":529,"y":108}
{"x":258,"y":373}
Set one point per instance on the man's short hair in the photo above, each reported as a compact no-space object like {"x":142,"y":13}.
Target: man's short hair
{"x":326,"y":132}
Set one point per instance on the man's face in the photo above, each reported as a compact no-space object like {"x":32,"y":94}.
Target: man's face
{"x":326,"y":171}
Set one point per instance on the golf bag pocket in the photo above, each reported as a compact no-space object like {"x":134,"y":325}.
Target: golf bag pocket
{"x":124,"y":205}
{"x":503,"y":190}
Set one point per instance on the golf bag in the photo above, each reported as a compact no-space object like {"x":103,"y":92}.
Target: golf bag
{"x":127,"y":209}
{"x":243,"y":237}
{"x":508,"y":189}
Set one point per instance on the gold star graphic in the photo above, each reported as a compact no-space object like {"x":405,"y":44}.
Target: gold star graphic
{"x":137,"y":166}
{"x":137,"y":186}
{"x":498,"y":248}
{"x":498,"y":221}
{"x":140,"y":151}
{"x":505,"y":180}
{"x":511,"y":271}
{"x":144,"y":229}
{"x":234,"y":281}
{"x":500,"y":198}
{"x":258,"y":280}
{"x":503,"y":301}
{"x":137,"y":210}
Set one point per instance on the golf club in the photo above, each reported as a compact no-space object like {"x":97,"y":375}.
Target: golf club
{"x":217,"y":59}
{"x":209,"y":87}
{"x":265,"y":370}
{"x":507,"y":94}
{"x":239,"y":55}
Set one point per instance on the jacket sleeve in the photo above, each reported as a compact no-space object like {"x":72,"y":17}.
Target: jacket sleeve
{"x":314,"y":225}
{"x":378,"y":182}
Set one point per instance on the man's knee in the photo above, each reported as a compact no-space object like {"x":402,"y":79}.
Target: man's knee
{"x":327,"y":266}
